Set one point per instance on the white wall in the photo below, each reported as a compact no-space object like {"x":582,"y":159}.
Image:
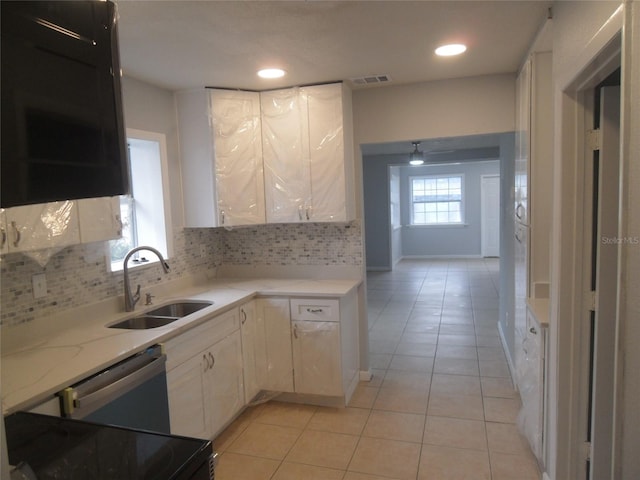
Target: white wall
{"x":449,"y":108}
{"x":151,"y":108}
{"x":463,"y":241}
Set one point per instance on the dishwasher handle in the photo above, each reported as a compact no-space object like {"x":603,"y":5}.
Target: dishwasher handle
{"x":82,"y":405}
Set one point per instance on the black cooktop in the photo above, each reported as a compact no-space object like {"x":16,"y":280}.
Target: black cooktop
{"x":58,"y":448}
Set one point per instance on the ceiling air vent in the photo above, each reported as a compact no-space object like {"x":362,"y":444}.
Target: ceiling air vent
{"x":371,"y":80}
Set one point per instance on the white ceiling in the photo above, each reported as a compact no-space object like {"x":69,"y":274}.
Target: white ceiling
{"x":188,"y":44}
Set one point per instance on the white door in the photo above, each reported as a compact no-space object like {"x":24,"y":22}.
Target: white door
{"x":490,"y":215}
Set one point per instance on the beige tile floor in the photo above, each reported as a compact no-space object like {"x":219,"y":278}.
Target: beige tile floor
{"x":440,"y":405}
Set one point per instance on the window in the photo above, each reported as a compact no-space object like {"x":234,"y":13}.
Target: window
{"x":436,"y":200}
{"x":144,"y":213}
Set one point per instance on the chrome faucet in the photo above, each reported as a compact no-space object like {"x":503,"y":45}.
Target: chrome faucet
{"x":131,"y":299}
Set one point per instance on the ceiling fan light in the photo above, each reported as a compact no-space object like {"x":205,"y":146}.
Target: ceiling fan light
{"x":416,"y":157}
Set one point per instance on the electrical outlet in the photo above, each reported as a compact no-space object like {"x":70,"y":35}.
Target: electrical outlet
{"x":203,"y":250}
{"x":39,"y":283}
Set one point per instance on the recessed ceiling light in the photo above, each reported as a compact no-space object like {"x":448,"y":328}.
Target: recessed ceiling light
{"x":271,"y":73}
{"x":450,"y":50}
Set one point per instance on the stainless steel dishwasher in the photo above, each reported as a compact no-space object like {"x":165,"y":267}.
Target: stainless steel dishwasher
{"x":131,"y":393}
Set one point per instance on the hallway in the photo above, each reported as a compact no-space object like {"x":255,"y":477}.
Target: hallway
{"x":440,"y":404}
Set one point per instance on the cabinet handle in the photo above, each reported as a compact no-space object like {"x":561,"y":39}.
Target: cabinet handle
{"x":308,"y":213}
{"x":295,"y":331}
{"x":213,"y":360}
{"x":206,"y":362}
{"x":244,"y":315}
{"x":519,"y":211}
{"x":16,"y":233}
{"x":518,"y":238}
{"x":300,"y":212}
{"x":533,"y":330}
{"x":314,"y":310}
{"x":222,"y":217}
{"x":4,"y":237}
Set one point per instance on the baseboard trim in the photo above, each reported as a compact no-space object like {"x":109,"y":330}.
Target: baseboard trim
{"x":365,"y":375}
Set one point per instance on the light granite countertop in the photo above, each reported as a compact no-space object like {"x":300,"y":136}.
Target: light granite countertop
{"x":41,"y":357}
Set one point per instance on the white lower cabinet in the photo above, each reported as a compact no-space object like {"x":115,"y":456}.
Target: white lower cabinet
{"x":273,"y":354}
{"x":316,"y":358}
{"x":204,"y":377}
{"x":252,"y":358}
{"x":278,"y":344}
{"x":301,"y":346}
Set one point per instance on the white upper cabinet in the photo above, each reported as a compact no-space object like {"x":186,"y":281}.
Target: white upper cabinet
{"x":99,"y":219}
{"x":221,"y":151}
{"x":41,"y":226}
{"x":307,"y":152}
{"x":285,"y":140}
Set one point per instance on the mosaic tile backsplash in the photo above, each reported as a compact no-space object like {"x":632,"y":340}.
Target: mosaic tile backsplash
{"x":79,"y":275}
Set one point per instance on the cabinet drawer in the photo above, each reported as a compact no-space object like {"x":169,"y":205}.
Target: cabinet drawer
{"x":185,"y":346}
{"x":315,"y":309}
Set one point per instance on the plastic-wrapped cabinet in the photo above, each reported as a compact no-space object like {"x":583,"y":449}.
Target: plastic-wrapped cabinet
{"x":307,"y":153}
{"x":221,"y":157}
{"x":41,"y":230}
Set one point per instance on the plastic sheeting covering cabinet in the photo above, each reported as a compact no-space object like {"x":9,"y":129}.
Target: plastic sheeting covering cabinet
{"x":529,"y":368}
{"x":235,"y":118}
{"x":307,"y":152}
{"x":221,"y":157}
{"x":40,"y":231}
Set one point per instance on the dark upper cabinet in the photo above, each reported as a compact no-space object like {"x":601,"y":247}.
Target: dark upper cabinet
{"x":62,"y":121}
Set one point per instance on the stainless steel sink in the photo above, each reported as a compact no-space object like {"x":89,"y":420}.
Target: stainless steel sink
{"x":180,"y":309}
{"x":161,"y":316}
{"x":144,"y":322}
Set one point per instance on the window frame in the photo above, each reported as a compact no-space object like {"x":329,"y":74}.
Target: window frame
{"x":163,"y":227}
{"x":412,"y":202}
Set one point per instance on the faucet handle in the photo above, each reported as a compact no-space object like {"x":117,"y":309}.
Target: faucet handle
{"x":148,"y":299}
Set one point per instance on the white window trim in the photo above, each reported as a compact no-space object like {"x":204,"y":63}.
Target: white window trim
{"x":438,"y":225}
{"x":160,"y":139}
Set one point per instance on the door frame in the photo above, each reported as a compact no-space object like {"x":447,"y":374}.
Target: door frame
{"x":483,"y":211}
{"x":566,"y":447}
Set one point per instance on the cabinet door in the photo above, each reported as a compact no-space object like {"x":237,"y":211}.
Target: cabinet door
{"x":285,"y":144}
{"x":316,"y":358}
{"x":4,"y":232}
{"x":224,"y":381}
{"x":99,"y":219}
{"x":274,"y":355}
{"x":187,"y":398}
{"x":326,"y":153}
{"x":197,"y":159}
{"x":237,"y":140}
{"x":47,"y":225}
{"x":252,"y":350}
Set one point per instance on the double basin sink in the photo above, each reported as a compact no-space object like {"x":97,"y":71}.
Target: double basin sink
{"x":161,"y":316}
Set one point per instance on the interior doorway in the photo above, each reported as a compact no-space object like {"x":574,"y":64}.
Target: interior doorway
{"x":490,"y":215}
